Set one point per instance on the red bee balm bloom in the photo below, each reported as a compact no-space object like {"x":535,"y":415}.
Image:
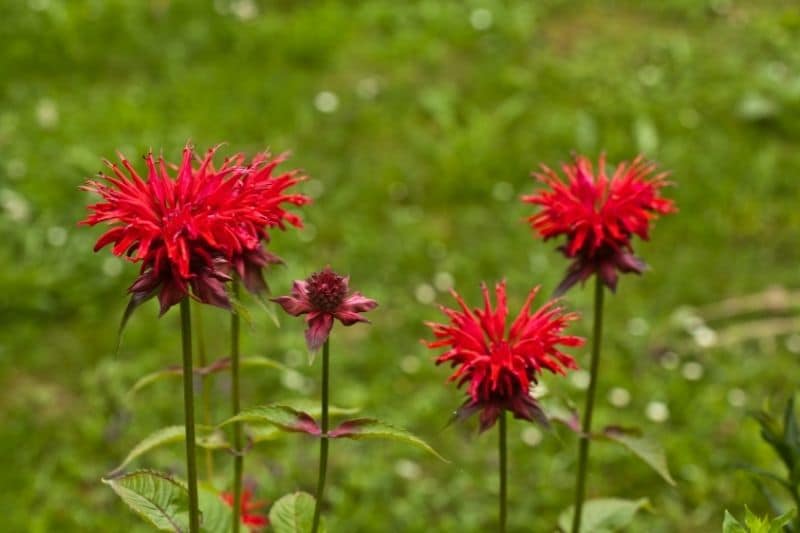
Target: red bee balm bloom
{"x":189,"y":231}
{"x":500,"y":366}
{"x":254,"y":521}
{"x":599,"y":216}
{"x":323,"y":296}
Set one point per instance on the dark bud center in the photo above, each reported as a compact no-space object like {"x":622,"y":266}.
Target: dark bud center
{"x":326,"y":290}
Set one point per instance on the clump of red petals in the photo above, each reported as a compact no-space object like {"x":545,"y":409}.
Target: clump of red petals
{"x":324,"y":297}
{"x":599,"y":215}
{"x":249,"y":516}
{"x":191,"y":230}
{"x":500,"y":363}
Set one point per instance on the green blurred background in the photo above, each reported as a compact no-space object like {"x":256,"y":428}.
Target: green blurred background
{"x":419,"y":123}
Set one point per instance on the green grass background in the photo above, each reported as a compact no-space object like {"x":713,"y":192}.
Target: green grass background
{"x":416,"y":176}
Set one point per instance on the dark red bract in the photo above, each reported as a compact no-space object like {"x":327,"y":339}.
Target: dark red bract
{"x":323,"y":297}
{"x":500,"y":365}
{"x":191,"y":230}
{"x":248,"y":514}
{"x":599,"y":215}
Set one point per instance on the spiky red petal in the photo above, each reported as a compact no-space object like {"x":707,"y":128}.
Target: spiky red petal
{"x":499,"y":361}
{"x":599,"y":215}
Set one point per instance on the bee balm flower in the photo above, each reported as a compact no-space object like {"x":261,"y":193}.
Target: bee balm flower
{"x":498,"y":363}
{"x":323,"y":297}
{"x":599,"y":216}
{"x":189,"y":230}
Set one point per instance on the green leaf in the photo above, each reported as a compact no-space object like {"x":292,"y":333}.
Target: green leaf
{"x":240,"y":309}
{"x":136,"y":300}
{"x":294,"y":513}
{"x":755,"y":524}
{"x":313,"y":407}
{"x":731,"y":525}
{"x":269,"y":307}
{"x":176,"y":371}
{"x":156,"y":497}
{"x":371,"y":428}
{"x":648,"y":451}
{"x":164,"y":502}
{"x":766,"y":475}
{"x":778,"y":523}
{"x":281,"y":416}
{"x":206,"y":438}
{"x":216,"y":516}
{"x":259,"y":361}
{"x":604,"y":515}
{"x":260,"y":433}
{"x":169,"y":372}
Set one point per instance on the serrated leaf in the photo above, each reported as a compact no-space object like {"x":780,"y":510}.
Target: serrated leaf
{"x":371,"y":428}
{"x":206,"y":438}
{"x":156,"y":497}
{"x":755,"y":524}
{"x":731,"y":525}
{"x":648,"y":451}
{"x":604,"y":515}
{"x":164,"y":502}
{"x":294,"y":513}
{"x":216,"y":516}
{"x":281,"y":416}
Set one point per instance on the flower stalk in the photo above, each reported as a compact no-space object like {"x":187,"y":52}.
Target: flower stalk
{"x":188,"y":410}
{"x":502,"y":448}
{"x":323,"y":443}
{"x":238,"y":457}
{"x":205,"y":383}
{"x":586,"y":427}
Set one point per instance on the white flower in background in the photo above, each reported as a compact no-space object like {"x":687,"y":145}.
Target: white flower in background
{"x":326,"y":102}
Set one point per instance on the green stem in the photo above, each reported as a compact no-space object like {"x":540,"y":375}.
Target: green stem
{"x":586,"y":429}
{"x":503,"y":471}
{"x":238,"y":458}
{"x":188,"y":410}
{"x":323,"y":443}
{"x":205,"y":380}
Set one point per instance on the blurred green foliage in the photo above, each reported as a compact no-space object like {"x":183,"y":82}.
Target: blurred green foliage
{"x":419,"y":123}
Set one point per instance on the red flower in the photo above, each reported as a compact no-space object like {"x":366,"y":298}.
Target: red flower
{"x":500,"y":366}
{"x":323,"y":296}
{"x":599,"y":216}
{"x":188,"y":231}
{"x":254,"y":521}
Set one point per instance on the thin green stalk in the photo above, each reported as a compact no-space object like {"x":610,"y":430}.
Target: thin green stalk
{"x":503,"y":471}
{"x":583,"y":455}
{"x":205,"y":381}
{"x":188,"y":410}
{"x":238,"y":458}
{"x":323,"y":443}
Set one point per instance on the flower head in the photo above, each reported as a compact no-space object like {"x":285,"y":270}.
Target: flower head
{"x":599,"y":215}
{"x":501,"y":363}
{"x":323,"y":297}
{"x":191,"y":230}
{"x":248,"y":514}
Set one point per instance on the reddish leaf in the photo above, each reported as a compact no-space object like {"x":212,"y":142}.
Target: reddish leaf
{"x":281,"y":416}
